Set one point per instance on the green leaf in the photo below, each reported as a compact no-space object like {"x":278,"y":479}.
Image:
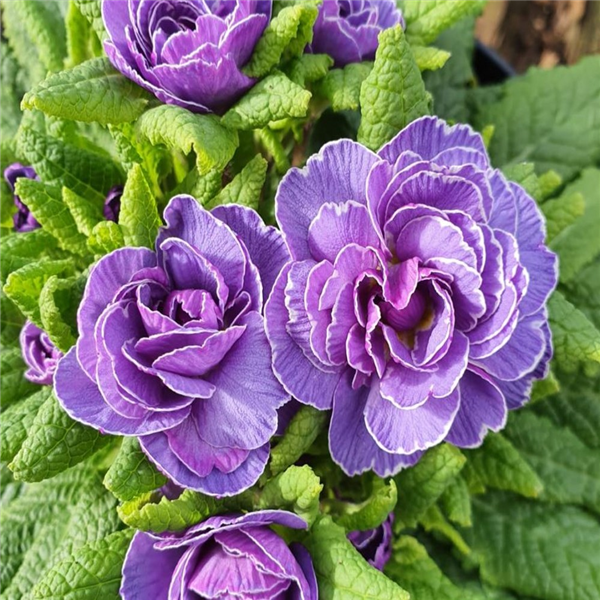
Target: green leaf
{"x":299,"y":436}
{"x":393,"y":94}
{"x":548,"y":117}
{"x":13,"y":385}
{"x":422,"y":485}
{"x":58,"y":163}
{"x":498,"y":464}
{"x":17,"y":420}
{"x":36,"y":33}
{"x":544,"y":387}
{"x":536,"y":550}
{"x":11,"y":322}
{"x":308,"y":68}
{"x":97,"y":567}
{"x":86,"y":213}
{"x":569,"y":470}
{"x":10,"y":96}
{"x":582,"y":291}
{"x":54,"y":443}
{"x":578,"y":244}
{"x":180,"y":129}
{"x":413,"y":569}
{"x":342,"y":572}
{"x":296,"y":489}
{"x":274,"y":98}
{"x":79,"y":36}
{"x":342,"y":86}
{"x":92,"y":11}
{"x":575,"y":338}
{"x":138,"y":217}
{"x":154,"y":512}
{"x":561,"y":212}
{"x":106,"y":237}
{"x":434,"y":520}
{"x":456,"y":502}
{"x":524,"y":174}
{"x":202,"y":187}
{"x":288,"y":32}
{"x":429,"y":58}
{"x":91,"y":91}
{"x":550,"y":182}
{"x":25,"y":285}
{"x":132,"y":474}
{"x":426,"y":19}
{"x":53,"y":215}
{"x":246,"y":186}
{"x":373,"y":511}
{"x":59,"y":301}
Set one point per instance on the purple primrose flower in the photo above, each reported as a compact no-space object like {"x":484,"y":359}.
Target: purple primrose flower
{"x":112,"y":203}
{"x":233,"y":556}
{"x":375,"y":544}
{"x":39,"y":354}
{"x":23,"y":219}
{"x":172,"y":347}
{"x":415,"y":304}
{"x":347,"y":30}
{"x":186,"y":52}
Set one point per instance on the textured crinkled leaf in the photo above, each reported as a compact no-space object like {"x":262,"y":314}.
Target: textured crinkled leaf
{"x":21,"y":249}
{"x":429,"y":58}
{"x":373,"y":511}
{"x":544,"y":387}
{"x":54,"y":443}
{"x":202,"y":187}
{"x":17,"y":420}
{"x":296,"y":489}
{"x":178,"y":128}
{"x":274,"y":98}
{"x":81,"y":44}
{"x":59,"y":302}
{"x":426,"y":19}
{"x":94,"y":571}
{"x":288,"y":32}
{"x":13,"y":385}
{"x":433,"y":520}
{"x":36,"y":33}
{"x":58,"y":163}
{"x":422,"y":485}
{"x":569,"y":470}
{"x":46,"y":204}
{"x":154,"y":512}
{"x":91,"y":91}
{"x":548,"y":117}
{"x":342,"y":86}
{"x":85,"y":212}
{"x":450,"y":85}
{"x":342,"y":573}
{"x":498,"y":464}
{"x":393,"y":94}
{"x":574,"y":336}
{"x":246,"y":186}
{"x":535,"y":549}
{"x":10,"y":93}
{"x":456,"y":502}
{"x":550,"y":182}
{"x":583,"y":291}
{"x":24,"y":286}
{"x":579,"y":244}
{"x":299,"y":435}
{"x":11,"y":322}
{"x":138,"y":218}
{"x":561,"y":212}
{"x":271,"y":142}
{"x":308,"y":68}
{"x":105,"y":237}
{"x":92,"y":11}
{"x":524,"y":174}
{"x":132,"y":474}
{"x":413,"y":569}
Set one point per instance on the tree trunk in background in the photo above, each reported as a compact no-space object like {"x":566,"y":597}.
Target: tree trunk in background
{"x":541,"y":32}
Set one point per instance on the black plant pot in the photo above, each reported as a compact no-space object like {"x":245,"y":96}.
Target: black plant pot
{"x":489,"y":67}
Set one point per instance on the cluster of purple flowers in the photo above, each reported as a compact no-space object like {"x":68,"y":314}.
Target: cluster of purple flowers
{"x":405,"y":291}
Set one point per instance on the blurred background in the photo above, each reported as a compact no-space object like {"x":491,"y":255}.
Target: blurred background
{"x":540,"y":32}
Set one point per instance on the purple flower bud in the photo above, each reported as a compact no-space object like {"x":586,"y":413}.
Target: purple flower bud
{"x":186,"y":52}
{"x":375,"y":544}
{"x":23,"y":219}
{"x":166,"y":337}
{"x":347,"y":30}
{"x":233,"y":556}
{"x":415,"y":303}
{"x":112,"y":203}
{"x":39,"y":354}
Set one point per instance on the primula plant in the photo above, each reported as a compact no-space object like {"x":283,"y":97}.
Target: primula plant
{"x":293,"y":307}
